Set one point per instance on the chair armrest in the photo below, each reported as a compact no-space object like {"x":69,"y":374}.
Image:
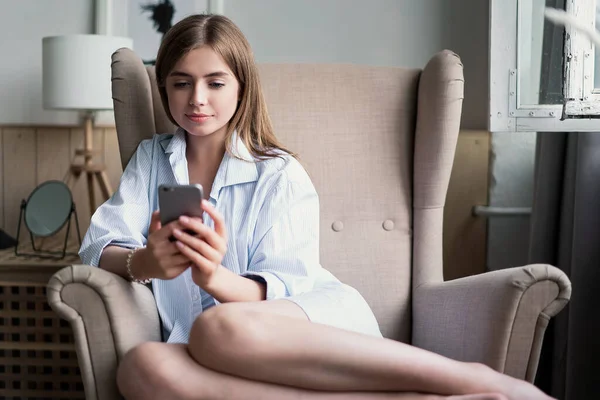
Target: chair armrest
{"x":496,"y":318}
{"x":109,"y":316}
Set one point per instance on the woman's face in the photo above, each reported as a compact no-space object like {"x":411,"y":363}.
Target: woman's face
{"x":203,"y":93}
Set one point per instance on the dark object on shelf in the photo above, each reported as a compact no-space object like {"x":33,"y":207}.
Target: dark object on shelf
{"x":6,"y":241}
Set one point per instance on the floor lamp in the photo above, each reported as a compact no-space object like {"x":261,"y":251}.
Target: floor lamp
{"x":77,"y":76}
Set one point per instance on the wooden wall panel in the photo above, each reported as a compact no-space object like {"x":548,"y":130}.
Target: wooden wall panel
{"x":52,"y":155}
{"x":465,"y":236}
{"x":19,"y":166}
{"x":32,"y":155}
{"x":53,"y":160}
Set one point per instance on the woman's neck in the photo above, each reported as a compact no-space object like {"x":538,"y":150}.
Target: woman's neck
{"x":204,"y":156}
{"x":208,"y":149}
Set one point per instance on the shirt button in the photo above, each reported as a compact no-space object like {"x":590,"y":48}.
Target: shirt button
{"x":195,"y":297}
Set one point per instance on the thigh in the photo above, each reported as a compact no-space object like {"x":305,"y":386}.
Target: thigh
{"x":340,"y":306}
{"x":166,"y":371}
{"x":282,"y":307}
{"x":333,"y":303}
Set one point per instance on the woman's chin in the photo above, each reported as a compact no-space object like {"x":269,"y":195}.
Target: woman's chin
{"x":201,"y":131}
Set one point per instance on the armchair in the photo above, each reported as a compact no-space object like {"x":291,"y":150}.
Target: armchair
{"x":379,"y":144}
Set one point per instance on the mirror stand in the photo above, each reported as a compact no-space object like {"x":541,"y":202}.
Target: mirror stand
{"x":40,"y":253}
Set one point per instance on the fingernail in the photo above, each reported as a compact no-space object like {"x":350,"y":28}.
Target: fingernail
{"x":177,"y":232}
{"x":205,"y":202}
{"x":183,"y":218}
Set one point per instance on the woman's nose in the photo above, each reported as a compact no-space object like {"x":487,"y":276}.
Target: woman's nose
{"x":198,"y":98}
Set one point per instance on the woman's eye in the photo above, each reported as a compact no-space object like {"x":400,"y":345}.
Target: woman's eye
{"x":180,"y":84}
{"x":216,"y":85}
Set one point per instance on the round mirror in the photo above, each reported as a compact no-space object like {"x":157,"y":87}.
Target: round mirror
{"x":48,"y":208}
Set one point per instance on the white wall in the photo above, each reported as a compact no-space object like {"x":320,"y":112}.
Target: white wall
{"x":23,"y":24}
{"x":376,"y":32}
{"x":383,"y":32}
{"x":380,"y":32}
{"x":140,"y":28}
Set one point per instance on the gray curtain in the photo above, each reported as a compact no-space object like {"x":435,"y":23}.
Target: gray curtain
{"x":565,"y":232}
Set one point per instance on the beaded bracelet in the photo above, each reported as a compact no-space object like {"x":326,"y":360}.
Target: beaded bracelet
{"x":128,"y":268}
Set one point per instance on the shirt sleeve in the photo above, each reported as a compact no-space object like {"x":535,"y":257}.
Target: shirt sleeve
{"x":124,"y":219}
{"x":285,"y":252}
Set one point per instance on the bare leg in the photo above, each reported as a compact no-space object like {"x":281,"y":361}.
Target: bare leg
{"x":167,"y":371}
{"x":274,"y":342}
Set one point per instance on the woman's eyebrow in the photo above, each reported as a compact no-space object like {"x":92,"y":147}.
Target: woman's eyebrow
{"x":179,"y":73}
{"x":216,"y":74}
{"x":210,"y":75}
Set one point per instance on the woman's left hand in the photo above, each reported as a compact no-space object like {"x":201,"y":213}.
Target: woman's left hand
{"x":205,"y":250}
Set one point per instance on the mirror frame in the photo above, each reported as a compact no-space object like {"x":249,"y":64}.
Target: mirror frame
{"x":68,"y":216}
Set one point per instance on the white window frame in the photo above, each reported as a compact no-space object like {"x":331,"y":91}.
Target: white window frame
{"x":507,"y":114}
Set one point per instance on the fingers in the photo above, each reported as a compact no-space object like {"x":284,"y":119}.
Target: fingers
{"x":163,"y":262}
{"x":154,"y":222}
{"x":198,"y":245}
{"x":180,"y":260}
{"x":212,"y":237}
{"x":171,"y":266}
{"x":204,"y":264}
{"x":165,"y":254}
{"x":159,"y":244}
{"x":217,"y":217}
{"x":163,"y":234}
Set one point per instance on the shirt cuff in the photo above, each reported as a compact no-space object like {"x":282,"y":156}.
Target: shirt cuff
{"x":276,"y":289}
{"x":91,"y":254}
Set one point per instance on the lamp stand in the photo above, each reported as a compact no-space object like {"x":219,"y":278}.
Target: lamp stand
{"x":91,"y":170}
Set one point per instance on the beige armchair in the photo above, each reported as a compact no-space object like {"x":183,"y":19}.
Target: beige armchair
{"x":379,"y":144}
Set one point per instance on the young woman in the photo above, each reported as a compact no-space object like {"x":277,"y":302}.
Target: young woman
{"x":246,"y":308}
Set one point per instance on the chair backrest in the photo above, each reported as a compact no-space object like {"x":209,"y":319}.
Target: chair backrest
{"x":378,"y":143}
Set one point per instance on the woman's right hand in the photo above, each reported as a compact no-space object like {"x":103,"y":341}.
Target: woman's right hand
{"x":160,"y":259}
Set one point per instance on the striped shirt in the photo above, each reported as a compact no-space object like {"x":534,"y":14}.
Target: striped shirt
{"x":271,"y":212}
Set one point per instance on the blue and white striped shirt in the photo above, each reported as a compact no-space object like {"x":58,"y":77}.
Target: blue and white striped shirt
{"x":271,"y":212}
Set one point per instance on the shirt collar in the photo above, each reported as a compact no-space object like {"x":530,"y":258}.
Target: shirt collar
{"x":238,"y":165}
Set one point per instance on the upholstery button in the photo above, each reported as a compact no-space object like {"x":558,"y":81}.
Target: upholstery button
{"x":337,"y":226}
{"x":388,"y":224}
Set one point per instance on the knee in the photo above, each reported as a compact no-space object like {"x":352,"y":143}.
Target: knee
{"x":493,"y":396}
{"x":227,"y":332}
{"x":144,"y":374}
{"x":481,"y":368}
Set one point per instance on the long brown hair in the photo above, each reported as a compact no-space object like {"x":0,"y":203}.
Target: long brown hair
{"x":251,"y":119}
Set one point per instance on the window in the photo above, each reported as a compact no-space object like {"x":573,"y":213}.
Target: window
{"x":542,"y":76}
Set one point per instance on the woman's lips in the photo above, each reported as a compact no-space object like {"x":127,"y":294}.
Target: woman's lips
{"x":198,"y":118}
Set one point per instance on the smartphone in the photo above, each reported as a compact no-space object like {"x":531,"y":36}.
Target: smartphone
{"x":177,"y":200}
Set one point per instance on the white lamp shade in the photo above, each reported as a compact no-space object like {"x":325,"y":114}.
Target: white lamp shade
{"x":76,"y":71}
